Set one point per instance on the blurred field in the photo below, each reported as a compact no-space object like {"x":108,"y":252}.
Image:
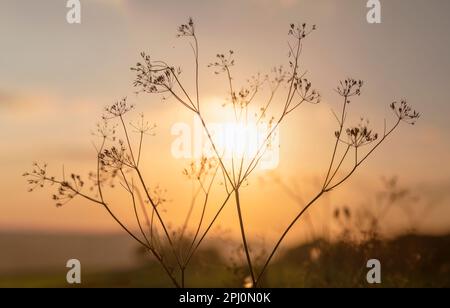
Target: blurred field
{"x":34,"y":251}
{"x":33,"y":260}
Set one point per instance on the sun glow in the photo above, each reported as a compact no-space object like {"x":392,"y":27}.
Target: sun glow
{"x":247,"y":141}
{"x":244,"y":141}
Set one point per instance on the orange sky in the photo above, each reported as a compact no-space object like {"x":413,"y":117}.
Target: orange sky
{"x":56,"y":78}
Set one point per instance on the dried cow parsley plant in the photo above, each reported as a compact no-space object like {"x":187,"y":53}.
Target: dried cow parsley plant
{"x":118,"y":157}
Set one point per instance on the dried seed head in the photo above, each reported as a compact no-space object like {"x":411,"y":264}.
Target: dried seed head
{"x":404,"y":112}
{"x":349,"y":87}
{"x":117,"y":109}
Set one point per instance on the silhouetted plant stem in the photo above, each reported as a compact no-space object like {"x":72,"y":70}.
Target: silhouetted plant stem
{"x":130,"y":189}
{"x":216,"y":152}
{"x":205,"y":202}
{"x":244,"y":238}
{"x":119,"y":222}
{"x":341,"y":127}
{"x":359,"y":162}
{"x":196,"y":50}
{"x":125,"y":130}
{"x":147,"y":192}
{"x":155,"y":254}
{"x":158,"y":216}
{"x":183,"y":269}
{"x":209,"y":226}
{"x":158,"y":77}
{"x":144,"y":211}
{"x":323,"y":191}
{"x":195,"y":194}
{"x":286,"y":231}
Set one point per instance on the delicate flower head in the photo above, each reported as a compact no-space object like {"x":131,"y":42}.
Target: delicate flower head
{"x":304,"y":88}
{"x":200,"y":169}
{"x":154,"y":76}
{"x":143,"y":127}
{"x":117,"y":109}
{"x":350,"y":87}
{"x":359,"y":135}
{"x":404,"y":112}
{"x":223,"y":62}
{"x":105,"y":130}
{"x":186,"y":29}
{"x":300,"y":31}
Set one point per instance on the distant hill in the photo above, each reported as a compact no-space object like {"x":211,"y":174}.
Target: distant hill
{"x":38,"y":260}
{"x":407,"y":261}
{"x":24,"y":252}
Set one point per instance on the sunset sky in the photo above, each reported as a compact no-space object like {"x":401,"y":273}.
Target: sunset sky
{"x":56,"y":78}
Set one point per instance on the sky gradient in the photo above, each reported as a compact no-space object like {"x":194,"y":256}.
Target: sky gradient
{"x":56,"y":78}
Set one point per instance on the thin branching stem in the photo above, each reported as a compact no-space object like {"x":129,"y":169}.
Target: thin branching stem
{"x":341,"y":127}
{"x":323,"y":191}
{"x":244,"y":238}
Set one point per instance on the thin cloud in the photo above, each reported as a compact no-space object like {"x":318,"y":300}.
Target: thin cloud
{"x":43,"y":103}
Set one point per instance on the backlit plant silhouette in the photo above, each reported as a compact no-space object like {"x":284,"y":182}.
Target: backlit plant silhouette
{"x":282,"y":92}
